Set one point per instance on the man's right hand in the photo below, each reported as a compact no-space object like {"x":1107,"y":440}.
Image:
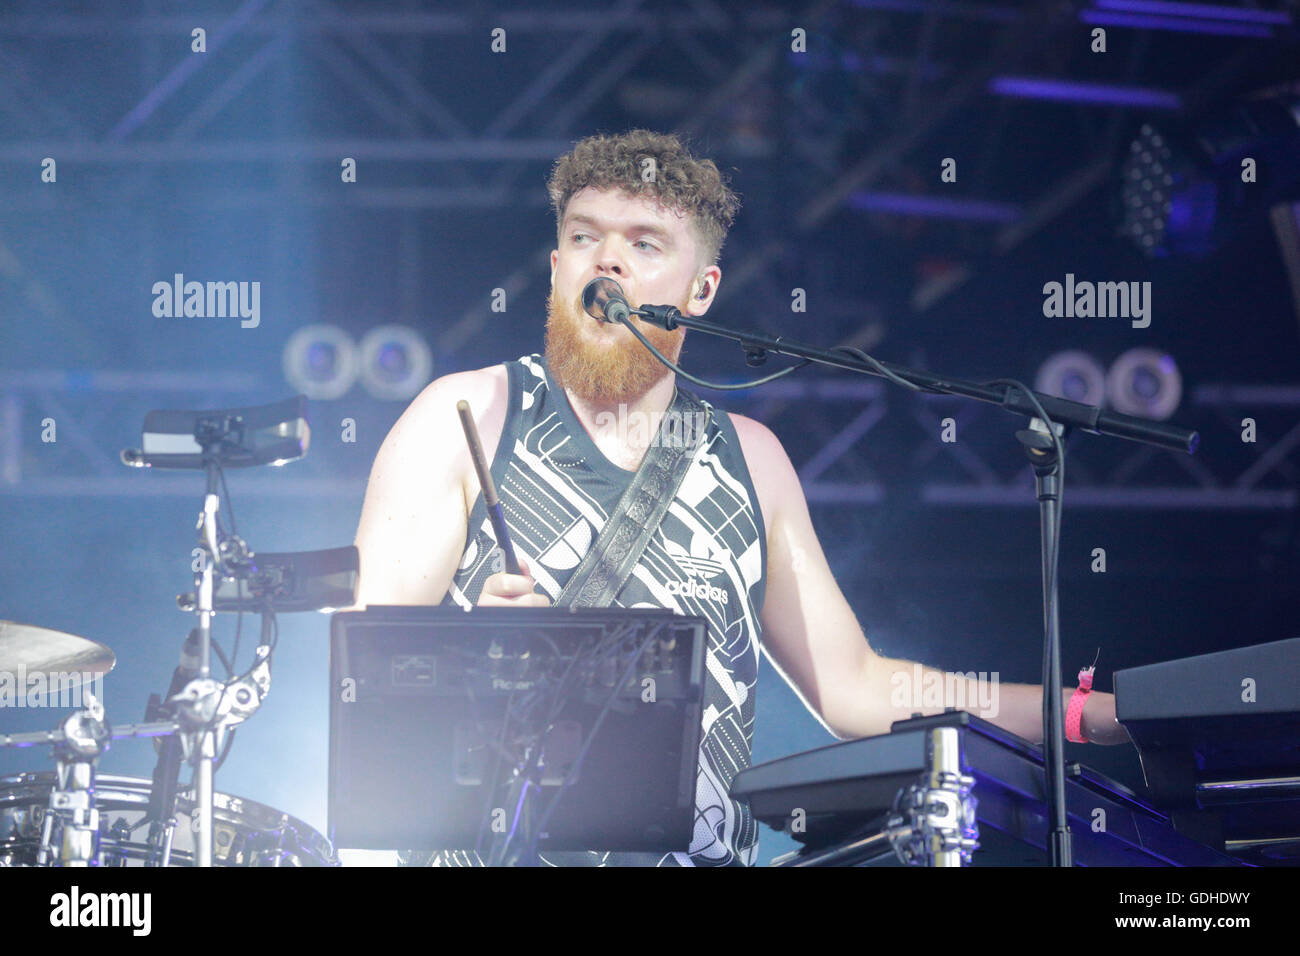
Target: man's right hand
{"x":512,"y":590}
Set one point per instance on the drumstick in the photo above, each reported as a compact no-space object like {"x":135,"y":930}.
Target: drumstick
{"x":494,"y":511}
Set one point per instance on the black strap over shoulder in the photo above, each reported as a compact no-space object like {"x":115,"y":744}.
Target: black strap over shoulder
{"x":619,"y":546}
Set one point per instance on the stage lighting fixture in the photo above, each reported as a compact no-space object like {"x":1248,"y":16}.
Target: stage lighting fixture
{"x":320,"y":361}
{"x":1187,"y":188}
{"x":1074,"y":375}
{"x":396,"y":362}
{"x":1146,"y":383}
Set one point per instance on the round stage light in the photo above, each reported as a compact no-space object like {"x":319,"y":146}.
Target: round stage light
{"x":396,"y":362}
{"x":1073,"y":375}
{"x":1145,"y":382}
{"x":320,"y":361}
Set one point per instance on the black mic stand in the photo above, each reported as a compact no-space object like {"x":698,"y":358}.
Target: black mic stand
{"x":1042,"y":450}
{"x":1042,"y":454}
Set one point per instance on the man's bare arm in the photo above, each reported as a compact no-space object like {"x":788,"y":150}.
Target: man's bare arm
{"x":414,"y":520}
{"x":814,"y":639}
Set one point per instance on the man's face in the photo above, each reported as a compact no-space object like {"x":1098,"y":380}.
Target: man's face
{"x":648,"y":250}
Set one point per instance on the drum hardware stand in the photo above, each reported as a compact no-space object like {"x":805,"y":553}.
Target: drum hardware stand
{"x":199,"y":702}
{"x":84,"y":736}
{"x":78,"y":743}
{"x":932,"y":824}
{"x":153,"y":728}
{"x":934,"y":820}
{"x":241,"y":437}
{"x":206,"y":710}
{"x":265,"y":583}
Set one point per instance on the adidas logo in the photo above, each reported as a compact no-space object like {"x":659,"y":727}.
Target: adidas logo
{"x":698,"y":590}
{"x":698,"y":567}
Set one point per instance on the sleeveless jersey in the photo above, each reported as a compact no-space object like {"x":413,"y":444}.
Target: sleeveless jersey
{"x":707,"y":558}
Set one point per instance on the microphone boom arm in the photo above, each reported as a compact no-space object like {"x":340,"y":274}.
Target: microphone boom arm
{"x":1090,"y":418}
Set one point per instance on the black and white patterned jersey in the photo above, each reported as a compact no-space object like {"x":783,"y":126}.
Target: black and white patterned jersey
{"x":708,"y":558}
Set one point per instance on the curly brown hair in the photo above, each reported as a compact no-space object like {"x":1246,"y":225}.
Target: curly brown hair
{"x":680,"y":181}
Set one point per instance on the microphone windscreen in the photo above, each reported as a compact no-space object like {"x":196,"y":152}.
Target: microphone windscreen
{"x":598,"y":293}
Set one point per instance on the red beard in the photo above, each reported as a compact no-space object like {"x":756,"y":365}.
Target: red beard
{"x":604,"y":373}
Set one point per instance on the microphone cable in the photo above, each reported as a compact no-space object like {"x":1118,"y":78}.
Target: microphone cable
{"x":701,"y":382}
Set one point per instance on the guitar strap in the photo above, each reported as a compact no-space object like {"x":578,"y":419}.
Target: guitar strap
{"x":608,"y":564}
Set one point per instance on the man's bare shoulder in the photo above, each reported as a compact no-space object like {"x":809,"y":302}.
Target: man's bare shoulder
{"x":758,"y":443}
{"x":430,"y":430}
{"x":432,"y":413}
{"x":480,"y":387}
{"x":769,"y":466}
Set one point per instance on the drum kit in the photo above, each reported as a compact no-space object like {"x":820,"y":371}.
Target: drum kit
{"x":71,"y":816}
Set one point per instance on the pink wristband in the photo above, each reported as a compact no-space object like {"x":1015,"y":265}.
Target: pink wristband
{"x":1074,"y":712}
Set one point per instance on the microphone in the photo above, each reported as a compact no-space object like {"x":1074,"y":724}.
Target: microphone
{"x":162,"y":794}
{"x":603,"y":300}
{"x":188,"y":667}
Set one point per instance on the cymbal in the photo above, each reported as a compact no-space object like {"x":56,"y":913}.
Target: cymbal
{"x":31,"y":649}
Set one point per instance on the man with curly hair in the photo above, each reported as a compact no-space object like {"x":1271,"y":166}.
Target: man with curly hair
{"x":736,"y":545}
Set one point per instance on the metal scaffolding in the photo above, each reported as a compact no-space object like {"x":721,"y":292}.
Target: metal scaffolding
{"x":879,"y":88}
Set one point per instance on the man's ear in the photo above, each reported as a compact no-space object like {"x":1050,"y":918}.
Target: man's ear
{"x":703,"y":290}
{"x":555,"y":258}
